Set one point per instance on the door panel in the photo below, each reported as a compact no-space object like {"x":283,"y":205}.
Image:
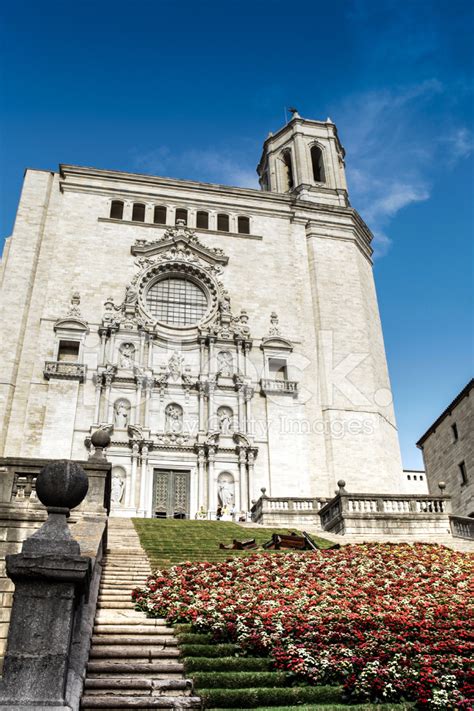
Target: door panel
{"x":170,"y":493}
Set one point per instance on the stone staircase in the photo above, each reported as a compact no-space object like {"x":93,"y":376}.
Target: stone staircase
{"x":134,"y":661}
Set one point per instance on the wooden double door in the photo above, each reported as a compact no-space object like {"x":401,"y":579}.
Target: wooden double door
{"x":171,"y":493}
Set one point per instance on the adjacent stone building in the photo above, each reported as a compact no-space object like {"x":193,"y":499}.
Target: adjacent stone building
{"x":448,"y":452}
{"x":229,"y":339}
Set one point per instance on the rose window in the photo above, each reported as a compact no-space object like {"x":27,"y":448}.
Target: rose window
{"x":176,"y":301}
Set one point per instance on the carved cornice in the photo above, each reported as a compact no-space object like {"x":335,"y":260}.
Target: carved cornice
{"x":179,"y":242}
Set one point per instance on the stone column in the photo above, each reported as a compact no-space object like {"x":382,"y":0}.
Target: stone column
{"x":148,"y":394}
{"x":211,"y":385}
{"x":50,"y":576}
{"x":108,"y":378}
{"x":143,"y":477}
{"x":133,"y":477}
{"x":98,"y":392}
{"x":211,"y":484}
{"x":103,"y":339}
{"x":201,"y":467}
{"x":135,"y":418}
{"x":244,"y":491}
{"x":250,"y":465}
{"x":248,"y":392}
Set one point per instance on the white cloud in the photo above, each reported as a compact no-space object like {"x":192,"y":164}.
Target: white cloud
{"x":210,"y":165}
{"x":393,"y":148}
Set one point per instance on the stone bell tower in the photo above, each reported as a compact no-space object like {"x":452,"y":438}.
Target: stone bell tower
{"x":305,"y":158}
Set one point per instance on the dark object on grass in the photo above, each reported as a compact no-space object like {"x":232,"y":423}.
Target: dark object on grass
{"x":290,"y":541}
{"x":239,"y":545}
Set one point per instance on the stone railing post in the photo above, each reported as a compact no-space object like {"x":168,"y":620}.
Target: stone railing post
{"x":50,"y":575}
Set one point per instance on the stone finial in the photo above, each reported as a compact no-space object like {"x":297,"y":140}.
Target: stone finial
{"x":442,"y":486}
{"x":294,"y":112}
{"x":100,"y":440}
{"x":263,"y":490}
{"x":342,"y":486}
{"x":274,"y":329}
{"x":60,"y":486}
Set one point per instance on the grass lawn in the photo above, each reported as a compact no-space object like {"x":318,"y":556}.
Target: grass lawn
{"x":168,"y":542}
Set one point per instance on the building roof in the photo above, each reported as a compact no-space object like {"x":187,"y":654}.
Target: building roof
{"x":464,"y":393}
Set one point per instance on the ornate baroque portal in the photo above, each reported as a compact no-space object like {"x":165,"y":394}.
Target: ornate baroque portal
{"x":172,"y":387}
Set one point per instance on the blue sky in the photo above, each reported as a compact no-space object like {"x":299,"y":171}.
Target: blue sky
{"x":191,"y":89}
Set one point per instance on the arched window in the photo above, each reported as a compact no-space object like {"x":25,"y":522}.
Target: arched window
{"x":159,"y":215}
{"x":288,"y":180}
{"x":202,"y":220}
{"x":138,"y":212}
{"x":243,"y":225}
{"x":181,"y":214}
{"x":223,"y":223}
{"x":318,"y":164}
{"x":116,"y":210}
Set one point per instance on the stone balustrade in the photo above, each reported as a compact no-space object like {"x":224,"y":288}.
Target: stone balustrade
{"x":279,"y":386}
{"x":65,"y":370}
{"x":462,"y":527}
{"x":287,"y":510}
{"x":382,"y":513}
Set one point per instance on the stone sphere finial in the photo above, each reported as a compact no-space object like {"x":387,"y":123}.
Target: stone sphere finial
{"x":62,"y":485}
{"x":100,"y":440}
{"x":342,"y":485}
{"x":263,"y":490}
{"x":442,"y":486}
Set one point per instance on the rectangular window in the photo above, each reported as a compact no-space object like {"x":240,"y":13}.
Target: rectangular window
{"x":463,"y":472}
{"x":277,"y":369}
{"x":68,"y":350}
{"x":454,"y":430}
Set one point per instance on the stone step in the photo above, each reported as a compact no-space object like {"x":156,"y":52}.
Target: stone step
{"x":119,"y":630}
{"x":144,"y":639}
{"x":114,"y":597}
{"x":127,"y":651}
{"x":147,"y":668}
{"x":140,"y":702}
{"x":138,"y":684}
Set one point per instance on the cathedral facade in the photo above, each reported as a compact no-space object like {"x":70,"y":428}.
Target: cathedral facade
{"x":227,"y":339}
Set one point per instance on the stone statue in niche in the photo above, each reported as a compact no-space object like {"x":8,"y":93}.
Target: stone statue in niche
{"x":225,"y":416}
{"x":174,"y":418}
{"x":126,"y":355}
{"x":121,"y":414}
{"x":117,"y":488}
{"x":226,"y":490}
{"x":225,"y":363}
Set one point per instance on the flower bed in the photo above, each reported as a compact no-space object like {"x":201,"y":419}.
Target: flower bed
{"x":390,"y":622}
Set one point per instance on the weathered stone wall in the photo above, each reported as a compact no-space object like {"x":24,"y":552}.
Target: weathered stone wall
{"x":442,"y":455}
{"x":308,"y":262}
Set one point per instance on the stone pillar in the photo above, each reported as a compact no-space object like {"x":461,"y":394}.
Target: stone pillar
{"x":98,"y":392}
{"x":201,"y":403}
{"x":103,"y":339}
{"x":133,"y":477}
{"x":143,"y":477}
{"x":148,"y":394}
{"x":211,"y":484}
{"x":201,"y":467}
{"x":248,"y":392}
{"x":250,"y":465}
{"x":135,"y":418}
{"x":50,"y":576}
{"x":108,"y":409}
{"x":244,"y":490}
{"x":210,"y":404}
